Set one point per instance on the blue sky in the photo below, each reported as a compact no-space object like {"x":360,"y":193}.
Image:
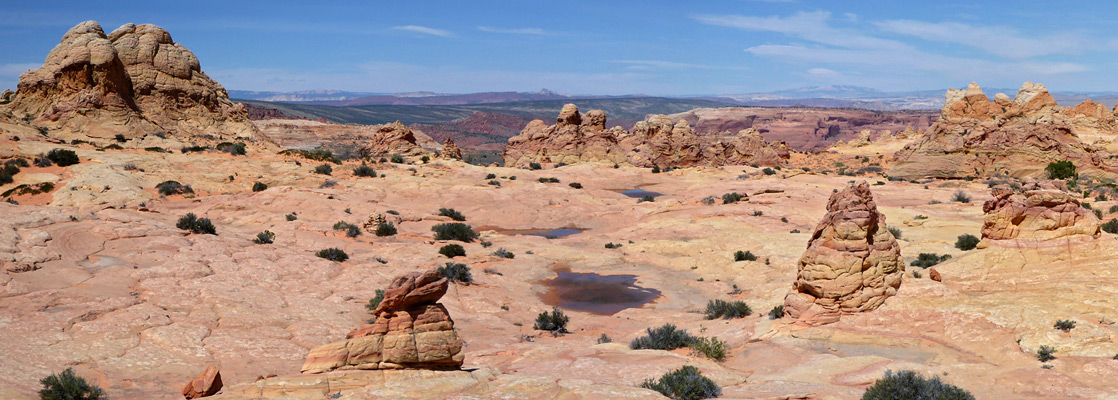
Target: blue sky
{"x":605,"y":47}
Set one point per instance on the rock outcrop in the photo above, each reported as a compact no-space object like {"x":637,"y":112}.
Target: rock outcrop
{"x":411,"y":331}
{"x":135,"y":81}
{"x":656,"y":141}
{"x":205,"y":385}
{"x":450,"y":151}
{"x":1019,"y":137}
{"x":391,"y":139}
{"x":1039,"y":211}
{"x":852,"y":263}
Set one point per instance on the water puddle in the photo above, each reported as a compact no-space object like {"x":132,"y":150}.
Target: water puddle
{"x":544,"y":233}
{"x":96,"y":261}
{"x":638,"y":193}
{"x":597,"y":294}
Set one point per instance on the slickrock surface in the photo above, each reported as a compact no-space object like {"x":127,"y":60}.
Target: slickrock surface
{"x":1019,"y":137}
{"x":852,"y":263}
{"x":135,"y":81}
{"x":656,"y":141}
{"x":411,"y":331}
{"x":1038,"y":211}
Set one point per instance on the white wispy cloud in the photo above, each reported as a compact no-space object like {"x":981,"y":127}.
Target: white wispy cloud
{"x":514,"y":31}
{"x":424,"y":30}
{"x":997,"y":40}
{"x":651,"y":64}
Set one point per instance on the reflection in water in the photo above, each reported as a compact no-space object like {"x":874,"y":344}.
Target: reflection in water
{"x":598,"y":294}
{"x":640,"y":193}
{"x":547,"y":233}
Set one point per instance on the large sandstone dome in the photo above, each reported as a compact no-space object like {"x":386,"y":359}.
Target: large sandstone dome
{"x":135,"y":82}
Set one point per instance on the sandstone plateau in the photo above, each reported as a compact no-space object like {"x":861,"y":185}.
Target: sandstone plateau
{"x":97,"y":273}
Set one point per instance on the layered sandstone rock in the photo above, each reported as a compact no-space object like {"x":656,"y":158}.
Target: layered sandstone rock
{"x":205,"y":385}
{"x":411,"y":331}
{"x":979,"y":137}
{"x":1039,"y":211}
{"x":135,"y":81}
{"x":391,"y":139}
{"x":656,"y":141}
{"x":572,"y":139}
{"x":450,"y":151}
{"x":852,"y":263}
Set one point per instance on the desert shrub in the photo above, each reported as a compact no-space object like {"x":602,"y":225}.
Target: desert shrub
{"x":291,"y":217}
{"x":575,"y":185}
{"x":494,"y":183}
{"x":324,"y":169}
{"x":452,"y":250}
{"x":1044,"y":353}
{"x":656,"y":169}
{"x":1113,"y":209}
{"x":612,"y":245}
{"x":727,"y":309}
{"x":266,"y":237}
{"x":364,"y":171}
{"x":313,"y":155}
{"x":1060,"y":170}
{"x":34,"y":189}
{"x":534,"y":166}
{"x":425,"y":159}
{"x":685,"y":383}
{"x":758,"y":213}
{"x":456,"y":272}
{"x":396,"y":159}
{"x":549,"y":180}
{"x":1065,"y":325}
{"x":646,"y":198}
{"x":63,"y":157}
{"x":192,"y":223}
{"x":193,"y":149}
{"x":777,"y":312}
{"x":385,"y":229}
{"x":68,"y":386}
{"x":768,"y":171}
{"x":375,"y":301}
{"x":42,"y":161}
{"x":452,"y":214}
{"x":730,"y":198}
{"x":1110,"y":226}
{"x":926,"y":260}
{"x":120,"y":138}
{"x":966,"y":242}
{"x":5,"y":178}
{"x":896,"y":232}
{"x":920,"y":217}
{"x":454,"y":231}
{"x":960,"y":197}
{"x":711,"y":348}
{"x":666,"y":337}
{"x":744,"y":256}
{"x":604,"y":339}
{"x":259,"y":187}
{"x":237,"y":149}
{"x":350,"y":229}
{"x":332,"y":254}
{"x":501,"y":252}
{"x":554,"y":322}
{"x":490,"y":176}
{"x":910,"y":385}
{"x":156,"y":149}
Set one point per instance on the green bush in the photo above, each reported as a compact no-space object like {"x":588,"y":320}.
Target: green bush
{"x":351,"y":230}
{"x":1065,"y":325}
{"x":192,"y":223}
{"x":758,"y":213}
{"x":332,"y":254}
{"x":729,"y":198}
{"x":364,"y":171}
{"x":1061,"y":170}
{"x":266,"y":237}
{"x":895,"y":231}
{"x":490,"y":176}
{"x":604,"y":338}
{"x":727,"y":309}
{"x":5,"y":178}
{"x":549,"y":180}
{"x":534,"y":166}
{"x":646,"y":198}
{"x":237,"y":149}
{"x":666,"y":337}
{"x":156,"y":149}
{"x":291,"y":217}
{"x":63,"y":157}
{"x":1110,"y":226}
{"x":386,"y":229}
{"x":777,"y":312}
{"x":960,"y":197}
{"x":575,"y":185}
{"x":168,"y":188}
{"x":966,"y":242}
{"x":685,"y":383}
{"x":744,"y":256}
{"x":452,"y":214}
{"x":191,"y":149}
{"x":452,"y":250}
{"x":397,"y":159}
{"x":656,"y":169}
{"x":926,"y":260}
{"x":910,"y":385}
{"x":501,"y":252}
{"x":554,"y":322}
{"x":68,"y":386}
{"x":1044,"y":353}
{"x":768,"y":171}
{"x":259,"y":187}
{"x":456,"y":272}
{"x":120,"y":138}
{"x":454,"y":231}
{"x":612,"y":245}
{"x":375,"y":301}
{"x":324,"y":169}
{"x":711,"y":348}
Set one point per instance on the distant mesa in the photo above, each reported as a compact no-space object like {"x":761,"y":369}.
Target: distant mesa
{"x":1037,"y":211}
{"x":656,"y":141}
{"x":1015,"y":137}
{"x":133,"y":82}
{"x":852,"y":262}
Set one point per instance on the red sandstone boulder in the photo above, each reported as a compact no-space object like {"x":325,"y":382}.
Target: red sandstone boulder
{"x":450,"y":150}
{"x":1040,"y":211}
{"x":207,"y":384}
